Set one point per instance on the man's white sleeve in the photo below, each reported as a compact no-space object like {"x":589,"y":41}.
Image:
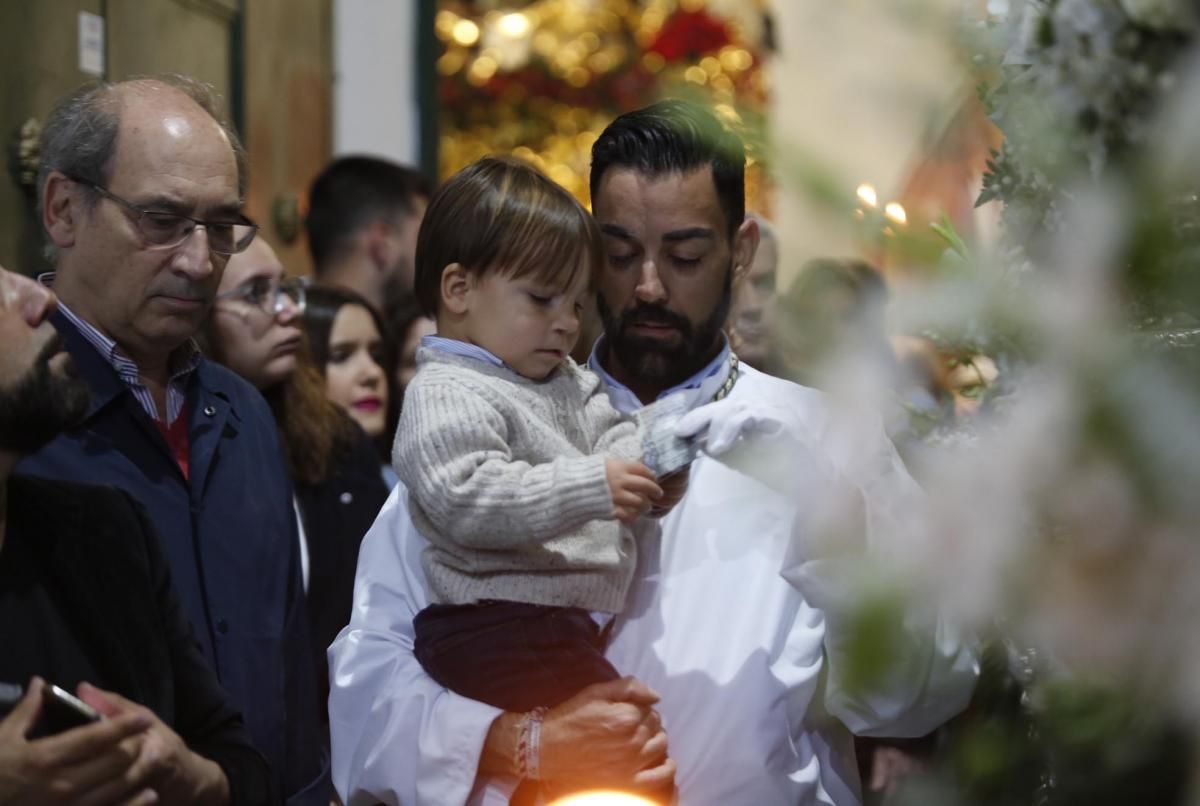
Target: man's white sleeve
{"x":396,"y":735}
{"x":932,"y":665}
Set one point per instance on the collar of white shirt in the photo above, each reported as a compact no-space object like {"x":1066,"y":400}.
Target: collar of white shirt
{"x":699,"y":388}
{"x":461,"y":348}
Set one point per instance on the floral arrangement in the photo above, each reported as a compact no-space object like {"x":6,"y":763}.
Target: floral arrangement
{"x":1064,"y":520}
{"x":1081,"y":84}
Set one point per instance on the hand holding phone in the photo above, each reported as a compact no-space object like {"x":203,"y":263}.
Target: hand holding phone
{"x":71,"y":764}
{"x":176,"y":773}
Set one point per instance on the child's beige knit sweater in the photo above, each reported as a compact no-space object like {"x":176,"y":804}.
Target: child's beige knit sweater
{"x":506,"y":479}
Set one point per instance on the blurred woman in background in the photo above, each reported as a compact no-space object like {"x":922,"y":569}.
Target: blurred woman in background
{"x":255,"y":330}
{"x":348,"y":347}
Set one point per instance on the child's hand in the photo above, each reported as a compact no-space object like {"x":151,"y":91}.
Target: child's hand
{"x":633,"y":488}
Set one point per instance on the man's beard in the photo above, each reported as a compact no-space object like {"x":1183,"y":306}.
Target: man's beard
{"x":649,"y":361}
{"x":41,"y":405}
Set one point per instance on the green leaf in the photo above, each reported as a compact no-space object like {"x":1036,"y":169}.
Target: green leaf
{"x":944,"y":229}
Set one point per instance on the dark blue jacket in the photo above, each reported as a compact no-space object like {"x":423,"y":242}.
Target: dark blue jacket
{"x":230,"y":538}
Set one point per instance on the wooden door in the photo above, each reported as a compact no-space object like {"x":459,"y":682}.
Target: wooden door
{"x":39,"y":53}
{"x":269,"y":59}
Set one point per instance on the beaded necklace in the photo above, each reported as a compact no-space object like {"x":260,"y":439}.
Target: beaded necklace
{"x":731,"y":380}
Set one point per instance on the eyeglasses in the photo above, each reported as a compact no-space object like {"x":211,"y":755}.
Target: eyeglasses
{"x":270,"y":295}
{"x":168,"y":230}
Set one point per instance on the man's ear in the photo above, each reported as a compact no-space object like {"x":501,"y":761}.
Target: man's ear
{"x":62,"y":209}
{"x":745,"y":246}
{"x":457,"y":284}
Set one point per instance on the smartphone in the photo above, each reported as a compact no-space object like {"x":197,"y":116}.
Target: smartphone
{"x":62,"y":711}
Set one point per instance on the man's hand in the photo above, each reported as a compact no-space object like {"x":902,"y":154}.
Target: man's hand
{"x":633,"y":488}
{"x":608,"y":735}
{"x":890,"y":766}
{"x":90,"y":766}
{"x":163,"y":762}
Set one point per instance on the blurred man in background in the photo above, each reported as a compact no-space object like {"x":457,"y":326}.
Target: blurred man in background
{"x":750,"y":321}
{"x":363,"y":217}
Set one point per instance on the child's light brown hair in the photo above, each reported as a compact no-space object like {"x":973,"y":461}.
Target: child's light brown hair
{"x":501,"y":214}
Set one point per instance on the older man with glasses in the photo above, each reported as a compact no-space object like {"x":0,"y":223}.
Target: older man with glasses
{"x":140,"y":194}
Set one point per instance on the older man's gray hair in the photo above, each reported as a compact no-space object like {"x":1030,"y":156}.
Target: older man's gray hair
{"x":80,"y":136}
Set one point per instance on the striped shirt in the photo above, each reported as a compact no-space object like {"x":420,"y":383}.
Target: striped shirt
{"x":184,"y":361}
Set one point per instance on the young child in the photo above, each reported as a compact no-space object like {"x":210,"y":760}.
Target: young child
{"x":520,"y":473}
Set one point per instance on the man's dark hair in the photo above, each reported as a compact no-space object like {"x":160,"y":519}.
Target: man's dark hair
{"x":676,"y":137}
{"x":352,"y":192}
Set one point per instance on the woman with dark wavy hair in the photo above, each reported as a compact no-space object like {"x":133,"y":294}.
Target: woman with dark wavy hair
{"x":254,"y":329}
{"x":353,"y":352}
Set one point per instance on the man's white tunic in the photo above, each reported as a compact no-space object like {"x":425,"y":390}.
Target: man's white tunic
{"x":747,"y":663}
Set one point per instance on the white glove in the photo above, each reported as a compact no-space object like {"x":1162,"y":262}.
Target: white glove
{"x":719,"y":426}
{"x":765,"y":441}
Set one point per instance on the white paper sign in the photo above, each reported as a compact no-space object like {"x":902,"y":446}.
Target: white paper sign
{"x":91,"y":43}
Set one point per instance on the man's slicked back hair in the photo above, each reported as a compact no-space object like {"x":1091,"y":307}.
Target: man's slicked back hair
{"x":671,"y":137}
{"x":352,"y":192}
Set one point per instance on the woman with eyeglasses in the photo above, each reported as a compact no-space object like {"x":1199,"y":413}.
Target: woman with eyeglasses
{"x":255,"y":330}
{"x":346,"y":337}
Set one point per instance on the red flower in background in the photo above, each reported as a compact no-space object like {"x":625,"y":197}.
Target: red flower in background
{"x":690,"y":33}
{"x":632,"y":89}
